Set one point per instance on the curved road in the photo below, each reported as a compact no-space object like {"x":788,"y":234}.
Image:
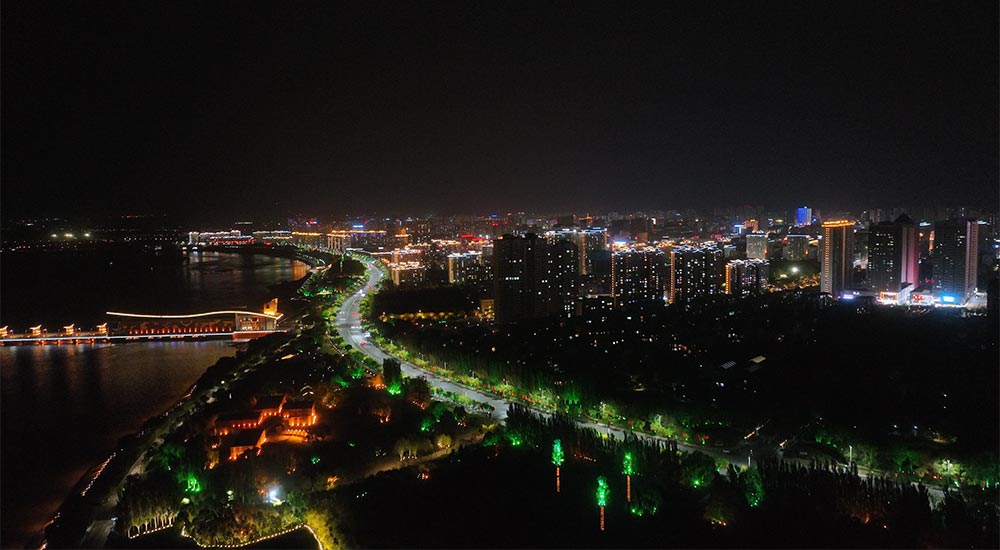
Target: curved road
{"x":349,"y":326}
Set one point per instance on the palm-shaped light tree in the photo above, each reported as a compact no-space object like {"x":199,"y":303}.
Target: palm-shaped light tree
{"x":557,"y":458}
{"x":602,"y":496}
{"x":628,"y":468}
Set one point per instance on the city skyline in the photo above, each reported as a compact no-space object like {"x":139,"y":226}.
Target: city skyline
{"x":502,"y":274}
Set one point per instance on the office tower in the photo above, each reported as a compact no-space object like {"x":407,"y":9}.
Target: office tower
{"x":532,"y":278}
{"x":637,"y":275}
{"x":696,"y":272}
{"x":796,"y":248}
{"x":803,"y":216}
{"x":955,"y":259}
{"x":746,"y":277}
{"x":835,"y":268}
{"x":893,"y":255}
{"x":757,"y":246}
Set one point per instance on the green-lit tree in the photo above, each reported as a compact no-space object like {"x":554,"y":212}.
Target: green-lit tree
{"x":557,"y":458}
{"x":753,"y":487}
{"x":698,"y":468}
{"x":628,"y":468}
{"x":392,"y":375}
{"x":602,"y":496}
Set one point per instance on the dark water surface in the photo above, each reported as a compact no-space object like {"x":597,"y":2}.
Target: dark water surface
{"x":64,"y":408}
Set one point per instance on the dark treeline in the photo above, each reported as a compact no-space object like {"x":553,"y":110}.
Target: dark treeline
{"x":435,"y":299}
{"x":916,"y":380}
{"x":774,"y":502}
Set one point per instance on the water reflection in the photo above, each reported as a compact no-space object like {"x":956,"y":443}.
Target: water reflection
{"x":64,"y":408}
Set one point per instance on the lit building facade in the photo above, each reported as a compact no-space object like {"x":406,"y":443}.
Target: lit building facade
{"x":213,"y":322}
{"x":757,"y":246}
{"x":466,"y":268}
{"x":587,"y":241}
{"x":746,"y":277}
{"x":405,"y":274}
{"x":796,"y":248}
{"x":892,"y":257}
{"x":219,"y":238}
{"x":955,"y":260}
{"x":696,"y":272}
{"x":803,"y":216}
{"x":309,"y":239}
{"x":272,"y":237}
{"x":533,"y":278}
{"x":837,"y":257}
{"x":637,"y":275}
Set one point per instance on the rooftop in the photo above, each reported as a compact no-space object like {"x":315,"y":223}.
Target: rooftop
{"x":269,"y":402}
{"x":244,"y":438}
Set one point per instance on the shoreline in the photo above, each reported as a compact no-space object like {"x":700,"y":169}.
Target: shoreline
{"x":80,"y":509}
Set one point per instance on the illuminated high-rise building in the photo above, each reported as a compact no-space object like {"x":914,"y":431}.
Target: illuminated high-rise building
{"x":405,"y":274}
{"x":587,"y":241}
{"x":637,"y":275}
{"x":561,"y":279}
{"x":696,"y":272}
{"x":893,"y":255}
{"x":955,"y":259}
{"x":533,"y":278}
{"x":746,"y":277}
{"x":466,"y":268}
{"x":835,"y":259}
{"x":757,"y":246}
{"x":803,"y":216}
{"x":796,"y":247}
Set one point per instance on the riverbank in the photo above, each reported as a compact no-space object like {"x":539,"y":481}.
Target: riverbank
{"x":97,"y":395}
{"x":85,"y":518}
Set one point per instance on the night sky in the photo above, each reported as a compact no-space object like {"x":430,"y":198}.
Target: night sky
{"x":237,"y":109}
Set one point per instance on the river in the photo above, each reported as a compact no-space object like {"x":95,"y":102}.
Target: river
{"x":63,"y":408}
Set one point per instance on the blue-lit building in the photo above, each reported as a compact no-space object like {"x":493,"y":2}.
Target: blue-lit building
{"x":803,"y":216}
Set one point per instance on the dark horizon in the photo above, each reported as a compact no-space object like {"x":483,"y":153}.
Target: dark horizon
{"x":202,"y":112}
